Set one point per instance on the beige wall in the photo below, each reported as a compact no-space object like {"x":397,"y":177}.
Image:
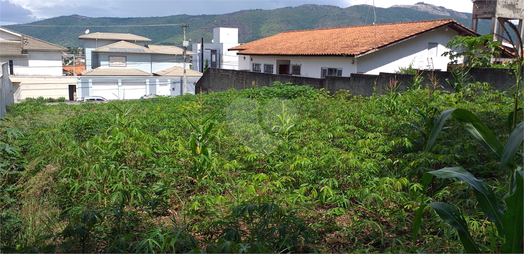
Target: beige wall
{"x":45,"y":87}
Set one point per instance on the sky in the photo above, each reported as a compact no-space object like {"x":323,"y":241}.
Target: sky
{"x":26,"y":11}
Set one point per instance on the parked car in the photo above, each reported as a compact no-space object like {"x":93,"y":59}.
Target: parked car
{"x":93,"y":98}
{"x":148,"y":96}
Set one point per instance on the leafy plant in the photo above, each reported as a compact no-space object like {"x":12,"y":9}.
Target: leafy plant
{"x":491,"y":205}
{"x":476,"y":51}
{"x":199,"y":142}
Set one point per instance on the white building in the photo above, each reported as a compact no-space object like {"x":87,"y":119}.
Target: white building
{"x":369,"y":49}
{"x":217,"y":54}
{"x":121,"y":66}
{"x":123,"y":50}
{"x":34,"y":67}
{"x":27,"y":56}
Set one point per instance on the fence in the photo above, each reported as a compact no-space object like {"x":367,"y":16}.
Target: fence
{"x":6,"y":90}
{"x":219,"y":80}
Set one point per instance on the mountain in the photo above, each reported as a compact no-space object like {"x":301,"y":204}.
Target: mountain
{"x":252,"y":24}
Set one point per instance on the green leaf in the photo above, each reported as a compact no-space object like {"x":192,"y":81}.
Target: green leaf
{"x":479,"y":131}
{"x":190,"y":122}
{"x":512,"y":146}
{"x":437,"y":127}
{"x":510,"y":119}
{"x":455,"y":220}
{"x":473,"y":125}
{"x":417,"y":221}
{"x":488,"y":202}
{"x":513,"y":218}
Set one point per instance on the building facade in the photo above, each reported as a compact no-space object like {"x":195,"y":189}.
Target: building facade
{"x":340,"y":52}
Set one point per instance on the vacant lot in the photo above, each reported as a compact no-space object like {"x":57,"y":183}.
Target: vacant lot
{"x":273,"y":169}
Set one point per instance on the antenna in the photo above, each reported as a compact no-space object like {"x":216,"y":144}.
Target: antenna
{"x":87,"y":31}
{"x":375,"y":23}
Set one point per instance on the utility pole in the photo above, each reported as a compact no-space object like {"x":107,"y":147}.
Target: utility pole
{"x":185,"y":44}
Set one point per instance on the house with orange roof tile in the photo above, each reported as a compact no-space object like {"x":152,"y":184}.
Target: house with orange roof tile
{"x":368,"y":49}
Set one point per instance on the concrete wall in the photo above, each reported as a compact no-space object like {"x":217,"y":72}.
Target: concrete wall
{"x":47,"y":87}
{"x":6,"y":89}
{"x":162,"y":62}
{"x":217,"y":80}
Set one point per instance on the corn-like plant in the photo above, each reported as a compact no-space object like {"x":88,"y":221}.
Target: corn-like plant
{"x":199,"y":141}
{"x":506,"y":214}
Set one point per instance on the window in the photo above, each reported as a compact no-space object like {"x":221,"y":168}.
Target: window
{"x":295,"y":69}
{"x":257,"y":67}
{"x":331,"y":72}
{"x":11,"y":67}
{"x":117,"y":61}
{"x":268,"y":68}
{"x":432,"y":49}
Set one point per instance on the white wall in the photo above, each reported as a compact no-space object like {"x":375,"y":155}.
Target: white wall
{"x":413,"y":51}
{"x":129,"y":88}
{"x":162,"y":62}
{"x":137,"y":61}
{"x":36,"y":64}
{"x":47,"y":87}
{"x":9,"y":36}
{"x":91,"y":45}
{"x":223,"y":39}
{"x":310,"y":66}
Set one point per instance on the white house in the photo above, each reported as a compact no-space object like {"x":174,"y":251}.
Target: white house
{"x":217,"y":53}
{"x":27,"y":56}
{"x":131,"y":83}
{"x":121,"y":66}
{"x":34,"y":66}
{"x":369,"y":49}
{"x":123,"y":50}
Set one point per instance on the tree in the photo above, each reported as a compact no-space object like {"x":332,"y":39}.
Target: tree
{"x":477,"y":51}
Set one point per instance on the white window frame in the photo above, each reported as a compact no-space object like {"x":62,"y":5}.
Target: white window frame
{"x":115,"y":63}
{"x":269,"y":68}
{"x":330,"y":72}
{"x":256,"y":67}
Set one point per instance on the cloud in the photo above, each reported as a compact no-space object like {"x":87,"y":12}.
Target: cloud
{"x":11,"y":13}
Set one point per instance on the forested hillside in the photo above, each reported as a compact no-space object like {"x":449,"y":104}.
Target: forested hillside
{"x":252,"y":24}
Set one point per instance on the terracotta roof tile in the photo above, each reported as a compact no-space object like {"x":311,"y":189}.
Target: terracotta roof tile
{"x":350,"y":41}
{"x":71,"y":68}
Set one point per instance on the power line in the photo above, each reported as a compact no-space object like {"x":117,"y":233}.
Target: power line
{"x":83,"y":26}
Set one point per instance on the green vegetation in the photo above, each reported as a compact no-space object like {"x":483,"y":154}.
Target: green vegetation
{"x":274,"y":169}
{"x":252,"y":24}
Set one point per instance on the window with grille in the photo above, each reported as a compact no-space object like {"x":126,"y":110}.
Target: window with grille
{"x":268,"y":68}
{"x":331,"y":72}
{"x":257,"y":67}
{"x":295,"y":69}
{"x":117,"y":61}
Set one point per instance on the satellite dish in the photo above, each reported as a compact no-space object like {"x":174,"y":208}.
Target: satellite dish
{"x":87,"y":31}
